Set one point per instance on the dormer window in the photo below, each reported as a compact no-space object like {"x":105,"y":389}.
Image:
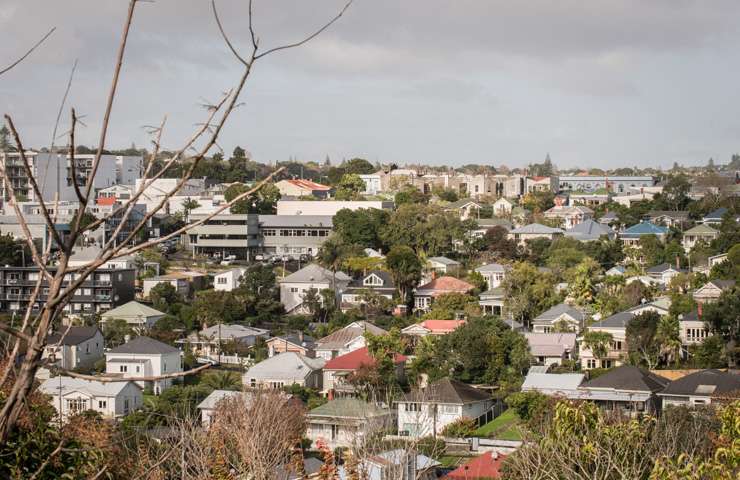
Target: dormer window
{"x":372,"y":281}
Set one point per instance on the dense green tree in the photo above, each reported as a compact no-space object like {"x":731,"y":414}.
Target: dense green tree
{"x":361,"y":227}
{"x":163,"y":295}
{"x":598,"y":342}
{"x":350,"y":187}
{"x":538,"y":202}
{"x":241,"y":206}
{"x":218,"y":306}
{"x":410,"y":194}
{"x":675,"y":194}
{"x":358,"y":166}
{"x":427,"y":229}
{"x":115,"y":332}
{"x":405,"y":268}
{"x":723,"y":319}
{"x":12,"y":251}
{"x":259,"y":291}
{"x":529,"y":292}
{"x":582,"y":282}
{"x":446,"y":306}
{"x":446,"y":194}
{"x":188,"y":206}
{"x":642,"y":345}
{"x":497,"y":241}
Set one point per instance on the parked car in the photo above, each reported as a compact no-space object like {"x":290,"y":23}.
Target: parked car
{"x":228,"y":260}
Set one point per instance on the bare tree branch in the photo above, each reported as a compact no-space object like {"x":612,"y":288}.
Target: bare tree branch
{"x":16,"y":333}
{"x":151,"y":378}
{"x":223,"y":33}
{"x":29,"y":52}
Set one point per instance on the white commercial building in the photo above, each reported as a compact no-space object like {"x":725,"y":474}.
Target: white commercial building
{"x":326,"y":207}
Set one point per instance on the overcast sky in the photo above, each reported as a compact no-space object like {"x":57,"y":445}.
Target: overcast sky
{"x":595,"y":83}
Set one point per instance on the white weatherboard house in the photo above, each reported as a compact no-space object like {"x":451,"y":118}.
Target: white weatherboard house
{"x":293,"y":288}
{"x":493,"y":273}
{"x":427,"y":411}
{"x":208,"y":406}
{"x":144,"y":357}
{"x":110,"y":399}
{"x":135,"y":314}
{"x":284,"y":370}
{"x":228,"y":280}
{"x":345,"y":340}
{"x":534,"y":231}
{"x":343,"y":422}
{"x":551,"y":348}
{"x":561,"y":317}
{"x":210,"y":341}
{"x":76,"y":347}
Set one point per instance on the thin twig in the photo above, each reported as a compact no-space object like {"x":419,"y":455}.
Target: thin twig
{"x":9,"y":67}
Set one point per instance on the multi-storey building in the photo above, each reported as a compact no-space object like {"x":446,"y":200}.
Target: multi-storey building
{"x":224,"y":235}
{"x":294,"y":235}
{"x":591,"y":183}
{"x":102,"y":290}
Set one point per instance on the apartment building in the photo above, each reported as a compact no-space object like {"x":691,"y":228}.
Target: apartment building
{"x":327,"y":207}
{"x":102,"y":290}
{"x":591,"y":183}
{"x":294,"y":235}
{"x":224,"y":235}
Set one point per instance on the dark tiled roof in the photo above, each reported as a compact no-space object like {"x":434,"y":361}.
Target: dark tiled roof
{"x":618,"y":320}
{"x":630,"y":378}
{"x":144,"y":345}
{"x":447,"y":390}
{"x":74,"y":336}
{"x":707,"y":383}
{"x":385,"y":276}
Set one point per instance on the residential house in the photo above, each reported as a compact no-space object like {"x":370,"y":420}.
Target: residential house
{"x":399,"y":464}
{"x":294,"y":235}
{"x":487,"y":466}
{"x":346,"y":339}
{"x":442,"y":266}
{"x":109,"y":399}
{"x":502,"y":207}
{"x":428,"y":410}
{"x":569,"y":216}
{"x":631,"y":236}
{"x":534,"y":231}
{"x":486,"y":224}
{"x":609,"y":218}
{"x":628,"y":199}
{"x":344,"y":422}
{"x":144,"y":357}
{"x":284,"y":370}
{"x":616,"y":270}
{"x":664,"y":272}
{"x":492,"y":301}
{"x":136,"y":314}
{"x":493,"y":273}
{"x":542,"y":184}
{"x":186,"y":283}
{"x":692,"y":330}
{"x":589,"y":199}
{"x":714,"y":217}
{"x":302,"y":188}
{"x":553,"y":384}
{"x":337,"y":371}
{"x":616,"y":325}
{"x":297,"y":342}
{"x":589,"y":230}
{"x":711,"y":291}
{"x":293,"y":288}
{"x":228,"y":280}
{"x":432,"y":327}
{"x":465,"y":208}
{"x":701,"y":388}
{"x":551,"y":348}
{"x":424,"y":295}
{"x":374,"y":282}
{"x":699,"y":234}
{"x":210,"y":341}
{"x":629,"y":389}
{"x":209,"y":404}
{"x":373,"y":183}
{"x":75,"y":347}
{"x":668,"y":218}
{"x":561,"y":317}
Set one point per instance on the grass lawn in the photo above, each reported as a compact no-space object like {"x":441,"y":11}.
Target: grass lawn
{"x":503,"y":427}
{"x":453,"y":461}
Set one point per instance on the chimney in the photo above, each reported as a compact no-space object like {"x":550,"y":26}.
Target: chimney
{"x":331,"y":395}
{"x":300,"y":336}
{"x":126,"y":338}
{"x":423,"y":381}
{"x":699,"y":312}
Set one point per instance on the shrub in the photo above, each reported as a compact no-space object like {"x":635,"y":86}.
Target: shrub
{"x":463,"y":427}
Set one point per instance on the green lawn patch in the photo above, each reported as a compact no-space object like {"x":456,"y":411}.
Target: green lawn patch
{"x":503,"y":427}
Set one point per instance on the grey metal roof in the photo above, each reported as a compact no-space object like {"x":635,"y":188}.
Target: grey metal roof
{"x":589,"y":230}
{"x":443,"y":260}
{"x":295,"y":221}
{"x":210,"y":402}
{"x":553,"y":382}
{"x":550,"y":344}
{"x":447,"y":390}
{"x":74,"y":336}
{"x":288,"y":366}
{"x":344,"y":335}
{"x":628,"y":377}
{"x":555,"y":312}
{"x":491,"y":267}
{"x":94,"y":388}
{"x":144,"y":345}
{"x":536,"y":228}
{"x":314,"y":273}
{"x":618,"y":320}
{"x":707,"y":383}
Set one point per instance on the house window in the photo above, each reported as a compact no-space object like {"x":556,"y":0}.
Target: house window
{"x":412,"y":407}
{"x":591,"y":363}
{"x":222,"y":280}
{"x":125,"y":405}
{"x":253,"y":382}
{"x":77,"y":405}
{"x":334,"y":431}
{"x":138,"y":369}
{"x":102,"y":404}
{"x":293,"y":289}
{"x":123,"y":368}
{"x":451,"y":409}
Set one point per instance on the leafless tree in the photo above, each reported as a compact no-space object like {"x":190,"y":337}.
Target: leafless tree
{"x":29,"y":52}
{"x":36,"y":325}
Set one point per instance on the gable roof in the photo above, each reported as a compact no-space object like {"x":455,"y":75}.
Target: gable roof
{"x":721,"y":284}
{"x":356,"y":359}
{"x":674,"y":214}
{"x":491,"y":267}
{"x":618,"y":320}
{"x":74,"y":336}
{"x":628,"y":377}
{"x":348,"y":407}
{"x":443,"y":260}
{"x":358,"y":283}
{"x":708,"y":383}
{"x":552,"y":382}
{"x":308,"y":185}
{"x":701,"y":229}
{"x":555,"y":312}
{"x":589,"y":230}
{"x":229,"y":332}
{"x":644,"y":228}
{"x":314,"y":273}
{"x":144,"y":345}
{"x":285,"y":366}
{"x":447,"y":390}
{"x":92,"y":387}
{"x":132,"y":309}
{"x":716,"y":214}
{"x":447,"y":284}
{"x":550,"y":344}
{"x":345,"y":335}
{"x":210,"y":402}
{"x":442,"y":326}
{"x":462,"y":202}
{"x":483,"y":467}
{"x":663,"y":267}
{"x":536,"y":228}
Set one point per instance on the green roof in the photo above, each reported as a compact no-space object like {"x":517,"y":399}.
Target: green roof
{"x":132,"y":309}
{"x":701,"y":229}
{"x":348,"y":408}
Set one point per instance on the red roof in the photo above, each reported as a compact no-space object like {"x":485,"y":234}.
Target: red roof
{"x":308,"y":184}
{"x":442,"y":326}
{"x":356,"y":359}
{"x":447,"y":284}
{"x":483,"y":467}
{"x":105,"y":200}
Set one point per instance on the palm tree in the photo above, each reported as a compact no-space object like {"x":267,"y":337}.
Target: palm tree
{"x":222,"y":380}
{"x":668,"y":337}
{"x":330,"y":256}
{"x":188,"y":206}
